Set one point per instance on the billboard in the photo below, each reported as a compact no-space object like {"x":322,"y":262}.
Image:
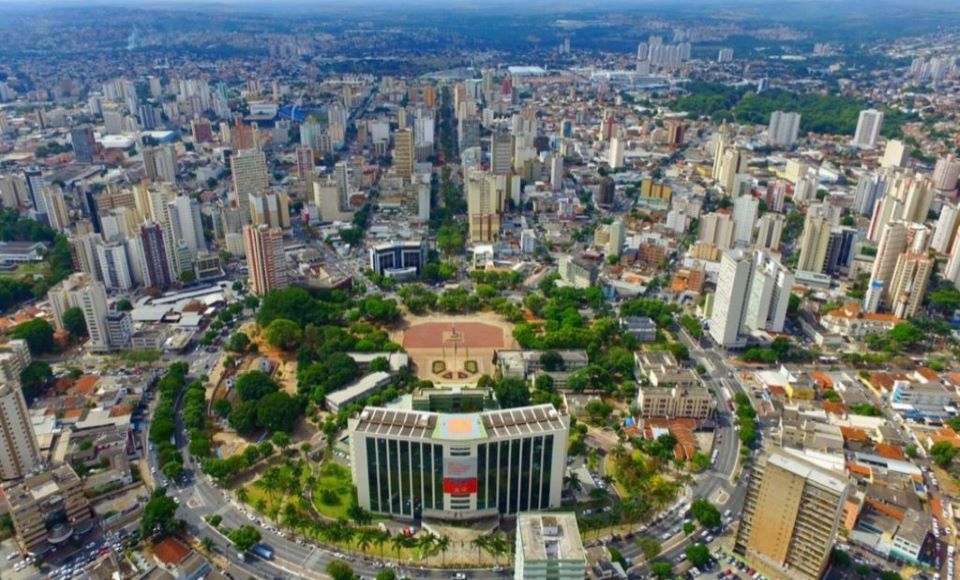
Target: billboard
{"x":460,"y":467}
{"x":460,"y":486}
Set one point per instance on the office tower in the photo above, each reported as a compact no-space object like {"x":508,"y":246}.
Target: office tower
{"x":91,"y":298}
{"x":606,"y":191}
{"x":617,"y":238}
{"x":895,"y":154}
{"x":485,"y":204}
{"x":35,"y":186}
{"x":249,"y":169}
{"x":556,"y":172}
{"x":753,"y":292}
{"x":115,"y":266}
{"x":717,"y":229}
{"x":946,"y":228}
{"x":745,"y":210}
{"x":868,"y":129}
{"x":814,"y":243}
{"x":769,"y":232}
{"x":155,"y":256}
{"x":271,"y":209}
{"x":946,"y":173}
{"x":304,"y":162}
{"x":615,"y":158}
{"x":468,"y":133}
{"x":186,"y":224}
{"x":783,"y":129}
{"x":549,"y":547}
{"x":790,"y":516}
{"x":909,"y":283}
{"x":84,"y":144}
{"x":19,"y":450}
{"x":265,"y":258}
{"x":398,"y":259}
{"x":501,"y":153}
{"x":841,"y":249}
{"x":404,"y":155}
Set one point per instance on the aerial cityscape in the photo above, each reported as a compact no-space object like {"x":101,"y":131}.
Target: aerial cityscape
{"x":480,"y":290}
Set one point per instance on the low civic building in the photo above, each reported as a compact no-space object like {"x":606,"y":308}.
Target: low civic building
{"x":849,"y":321}
{"x":676,"y":402}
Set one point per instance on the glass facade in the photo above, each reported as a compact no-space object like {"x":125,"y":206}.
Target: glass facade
{"x":405,"y":477}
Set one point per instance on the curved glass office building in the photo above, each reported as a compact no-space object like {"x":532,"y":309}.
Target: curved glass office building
{"x":413,"y":464}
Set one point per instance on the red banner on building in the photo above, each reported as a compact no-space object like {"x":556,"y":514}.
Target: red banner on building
{"x":459,"y":486}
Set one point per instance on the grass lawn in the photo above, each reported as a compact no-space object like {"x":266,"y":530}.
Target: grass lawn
{"x":334,"y":491}
{"x":29,"y":269}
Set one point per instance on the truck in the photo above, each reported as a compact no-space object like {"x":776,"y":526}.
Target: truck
{"x":263,"y":550}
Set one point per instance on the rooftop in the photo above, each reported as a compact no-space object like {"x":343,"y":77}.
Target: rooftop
{"x":460,"y":427}
{"x":550,"y":537}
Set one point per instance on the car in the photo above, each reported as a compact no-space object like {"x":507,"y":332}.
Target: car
{"x":13,"y":556}
{"x":459,"y":576}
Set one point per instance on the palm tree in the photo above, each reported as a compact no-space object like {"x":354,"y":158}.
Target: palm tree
{"x":425,"y":544}
{"x":207,"y":543}
{"x":365,"y":538}
{"x":572,"y":481}
{"x":619,"y":450}
{"x":443,"y":544}
{"x":398,"y":542}
{"x":480,"y":543}
{"x":498,"y":546}
{"x":242,"y":495}
{"x":380,"y":539}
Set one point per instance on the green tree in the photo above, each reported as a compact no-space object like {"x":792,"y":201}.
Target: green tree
{"x":705,"y":513}
{"x":244,"y":538}
{"x":906,"y":334}
{"x":243,"y":418}
{"x":283,"y":334}
{"x":221,"y":407}
{"x":661,"y":569}
{"x":278,"y":412}
{"x":173,"y":470}
{"x":255,"y":385}
{"x":340,"y":570}
{"x":123,"y":305}
{"x":239,"y":342}
{"x":159,"y":515}
{"x":512,"y":393}
{"x":698,"y":554}
{"x":36,"y":378}
{"x":943,"y":453}
{"x":37,"y":333}
{"x":551,"y":360}
{"x":386,"y":574}
{"x":650,"y":547}
{"x":74,"y":322}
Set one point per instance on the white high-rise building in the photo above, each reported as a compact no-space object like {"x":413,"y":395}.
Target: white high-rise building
{"x":19,"y":450}
{"x":185,"y":223}
{"x":753,"y":292}
{"x":946,"y":173}
{"x":745,"y":210}
{"x":946,"y":228}
{"x":783,"y":129}
{"x":615,"y":158}
{"x":92,"y":300}
{"x":556,"y":172}
{"x":617,"y":238}
{"x":814,"y":243}
{"x":868,"y":129}
{"x":769,"y":231}
{"x":249,"y":168}
{"x":115,"y":266}
{"x":501,"y":153}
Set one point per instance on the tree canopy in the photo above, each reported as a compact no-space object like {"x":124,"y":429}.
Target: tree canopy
{"x":254,"y":385}
{"x":38,"y":333}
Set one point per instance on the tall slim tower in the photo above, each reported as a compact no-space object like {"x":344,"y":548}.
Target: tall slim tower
{"x":185,"y":223}
{"x":84,"y":144}
{"x":92,"y":300}
{"x":501,"y":153}
{"x":868,"y":129}
{"x":249,"y":168}
{"x":19,"y":450}
{"x":155,"y":256}
{"x":814,"y":243}
{"x":404,"y":155}
{"x":265,"y":258}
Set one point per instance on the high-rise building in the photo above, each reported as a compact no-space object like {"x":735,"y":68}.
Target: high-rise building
{"x":717,"y":229}
{"x":160,"y":163}
{"x":868,"y":129}
{"x":35,"y":186}
{"x":896,"y":154}
{"x":617,"y":147}
{"x":556,"y":172}
{"x":725,"y":55}
{"x":398,"y":259}
{"x":115,"y":266}
{"x":606,"y":191}
{"x":946,"y":228}
{"x":870,"y":188}
{"x":745,"y":209}
{"x":783,"y":129}
{"x":814,"y":243}
{"x":249,"y":169}
{"x":404,"y":154}
{"x":83,"y":252}
{"x":501,"y":153}
{"x":728,"y":162}
{"x":896,"y":238}
{"x":186,"y":224}
{"x":769,"y":231}
{"x":304,"y":161}
{"x":84,"y":144}
{"x":549,"y":547}
{"x":265,"y":258}
{"x":155,"y":253}
{"x":270,"y":208}
{"x":909,"y":283}
{"x":753,"y":292}
{"x":946,"y":173}
{"x":92,"y":300}
{"x":485,"y":204}
{"x":48,"y":508}
{"x":617,"y":238}
{"x":19,"y":450}
{"x":790,"y":516}
{"x":468,"y":133}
